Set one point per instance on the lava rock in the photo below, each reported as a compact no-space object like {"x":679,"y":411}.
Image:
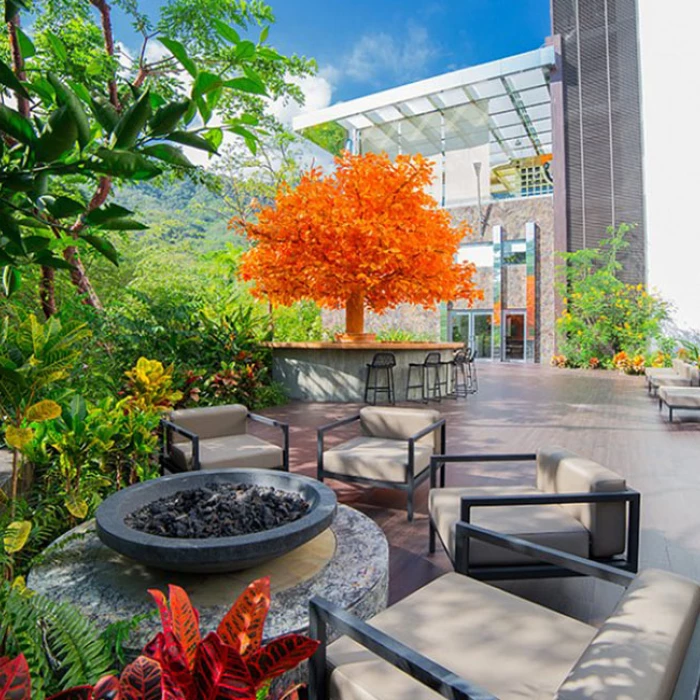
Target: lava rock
{"x":218,"y":510}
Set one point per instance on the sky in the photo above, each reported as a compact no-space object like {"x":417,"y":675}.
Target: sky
{"x":362,"y":46}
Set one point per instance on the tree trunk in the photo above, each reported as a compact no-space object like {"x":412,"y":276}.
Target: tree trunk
{"x":47,"y":291}
{"x":80,"y":279}
{"x":17,"y":62}
{"x":355,"y":321}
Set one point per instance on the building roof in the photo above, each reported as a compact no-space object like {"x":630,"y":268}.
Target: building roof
{"x":506,"y":101}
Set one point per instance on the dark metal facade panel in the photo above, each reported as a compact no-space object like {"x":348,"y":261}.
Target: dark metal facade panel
{"x":602,"y":124}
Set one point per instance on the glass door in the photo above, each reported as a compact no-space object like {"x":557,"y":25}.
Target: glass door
{"x":514,"y":336}
{"x":473,"y":328}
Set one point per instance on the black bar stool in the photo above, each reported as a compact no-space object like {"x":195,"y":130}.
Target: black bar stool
{"x":460,"y":374}
{"x":429,"y":378}
{"x":382,"y":365}
{"x":471,"y":371}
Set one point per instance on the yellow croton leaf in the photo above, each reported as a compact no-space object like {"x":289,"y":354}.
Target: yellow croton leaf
{"x":16,"y":535}
{"x":76,"y":505}
{"x":43,"y":410}
{"x":19,"y":583}
{"x":18,"y":438}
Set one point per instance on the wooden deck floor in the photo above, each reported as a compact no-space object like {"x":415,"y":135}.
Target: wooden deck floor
{"x":601,"y":415}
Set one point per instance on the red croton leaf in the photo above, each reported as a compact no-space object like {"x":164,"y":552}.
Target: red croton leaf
{"x":185,"y":620}
{"x":280,"y":655}
{"x":166,"y":650}
{"x":142,"y":680}
{"x":107,"y":688}
{"x":80,"y":692}
{"x":242,"y":626}
{"x":220,"y":673}
{"x":162,"y":603}
{"x":15,"y":683}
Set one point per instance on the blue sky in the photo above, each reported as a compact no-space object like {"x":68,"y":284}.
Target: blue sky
{"x":362,"y":46}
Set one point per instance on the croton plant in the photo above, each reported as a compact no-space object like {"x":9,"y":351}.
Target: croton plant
{"x":179,"y":664}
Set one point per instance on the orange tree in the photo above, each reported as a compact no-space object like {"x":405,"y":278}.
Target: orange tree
{"x":366,"y":236}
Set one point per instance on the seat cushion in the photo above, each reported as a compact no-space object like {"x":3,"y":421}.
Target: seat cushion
{"x":241,"y":451}
{"x":399,"y":423}
{"x":650,"y":372}
{"x":547,"y":525}
{"x":561,"y":471}
{"x":639,"y":650}
{"x":376,"y":458}
{"x":210,"y":421}
{"x":670,"y":381}
{"x":680,"y":397}
{"x":510,"y":647}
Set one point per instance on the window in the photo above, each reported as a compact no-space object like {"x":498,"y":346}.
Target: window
{"x":514,"y":253}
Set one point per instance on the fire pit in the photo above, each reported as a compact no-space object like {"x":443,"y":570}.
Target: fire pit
{"x":214,"y":521}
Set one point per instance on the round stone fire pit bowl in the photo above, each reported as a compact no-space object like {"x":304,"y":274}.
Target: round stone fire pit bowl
{"x":213,"y":554}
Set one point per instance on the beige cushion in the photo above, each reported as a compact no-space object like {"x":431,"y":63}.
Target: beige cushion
{"x":681,"y":397}
{"x":639,"y":649}
{"x":562,"y":471}
{"x":399,"y":423}
{"x":547,"y":525}
{"x":241,"y":451}
{"x":376,"y":458}
{"x":670,"y":381}
{"x":508,"y":646}
{"x":211,"y":421}
{"x":650,"y":372}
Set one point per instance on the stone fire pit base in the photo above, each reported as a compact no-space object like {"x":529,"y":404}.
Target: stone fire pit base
{"x":347,"y":564}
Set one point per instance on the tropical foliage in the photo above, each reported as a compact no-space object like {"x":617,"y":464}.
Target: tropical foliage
{"x":366,"y":236}
{"x":603,"y":315}
{"x":180,"y":664}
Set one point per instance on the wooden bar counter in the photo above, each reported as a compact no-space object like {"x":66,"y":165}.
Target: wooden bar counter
{"x":336,"y":372}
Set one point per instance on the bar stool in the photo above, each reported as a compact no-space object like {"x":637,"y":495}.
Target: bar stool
{"x":382,"y":364}
{"x":471,"y":371}
{"x":460,"y":374}
{"x":430,"y":367}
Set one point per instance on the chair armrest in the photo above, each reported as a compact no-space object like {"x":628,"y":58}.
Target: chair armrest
{"x":420,"y":668}
{"x":320,"y":433}
{"x":427,"y":430}
{"x":443,"y":460}
{"x":546,"y":554}
{"x":336,"y":424}
{"x":168,"y":427}
{"x":284,"y":427}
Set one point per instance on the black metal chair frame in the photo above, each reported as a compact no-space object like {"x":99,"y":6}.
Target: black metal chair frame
{"x":323,"y":614}
{"x":377,"y":389}
{"x":424,"y":369}
{"x":459,"y":366}
{"x":471,"y":370}
{"x":168,"y":428}
{"x":412,"y":480}
{"x":627,"y":562}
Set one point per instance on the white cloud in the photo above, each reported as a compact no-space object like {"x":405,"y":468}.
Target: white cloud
{"x":378,"y":56}
{"x":317,"y":89}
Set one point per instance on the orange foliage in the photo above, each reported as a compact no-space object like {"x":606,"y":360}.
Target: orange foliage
{"x":368,"y":231}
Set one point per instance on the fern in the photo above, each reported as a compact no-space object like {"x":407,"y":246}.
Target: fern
{"x":61,"y":646}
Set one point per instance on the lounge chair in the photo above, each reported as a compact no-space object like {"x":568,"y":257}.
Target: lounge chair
{"x":678,"y":397}
{"x":689,"y":375}
{"x":393,"y":451}
{"x":578,"y":506}
{"x":216,"y":437}
{"x":675,"y":370}
{"x":462,"y":638}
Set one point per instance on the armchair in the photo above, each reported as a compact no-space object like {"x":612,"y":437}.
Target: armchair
{"x":394,"y":450}
{"x":578,"y":507}
{"x":216,"y":437}
{"x":460,"y":638}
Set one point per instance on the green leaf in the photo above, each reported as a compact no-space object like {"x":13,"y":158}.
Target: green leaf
{"x":125,"y":164}
{"x":248,"y":137}
{"x":226,"y":32}
{"x":264,"y":34}
{"x":16,"y":126}
{"x":168,"y":117}
{"x":26,"y":46}
{"x":215,"y":136}
{"x":9,"y":228}
{"x":10,"y":80}
{"x":204,"y":83}
{"x":60,"y":136}
{"x":76,"y":505}
{"x":61,"y":207}
{"x":245,"y":50}
{"x":111,"y":211}
{"x":123,"y":225}
{"x":168,"y":154}
{"x":48,"y":259}
{"x":102,"y":246}
{"x":246,"y":85}
{"x":204,"y":109}
{"x":42,"y":87}
{"x":67,"y":98}
{"x":42,"y":411}
{"x":33,"y":244}
{"x":19,"y":181}
{"x":11,"y":280}
{"x":17,"y":532}
{"x":80,"y":90}
{"x":57,"y":46}
{"x":188,"y":139}
{"x":133,"y":121}
{"x":180,"y":53}
{"x":105,"y":113}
